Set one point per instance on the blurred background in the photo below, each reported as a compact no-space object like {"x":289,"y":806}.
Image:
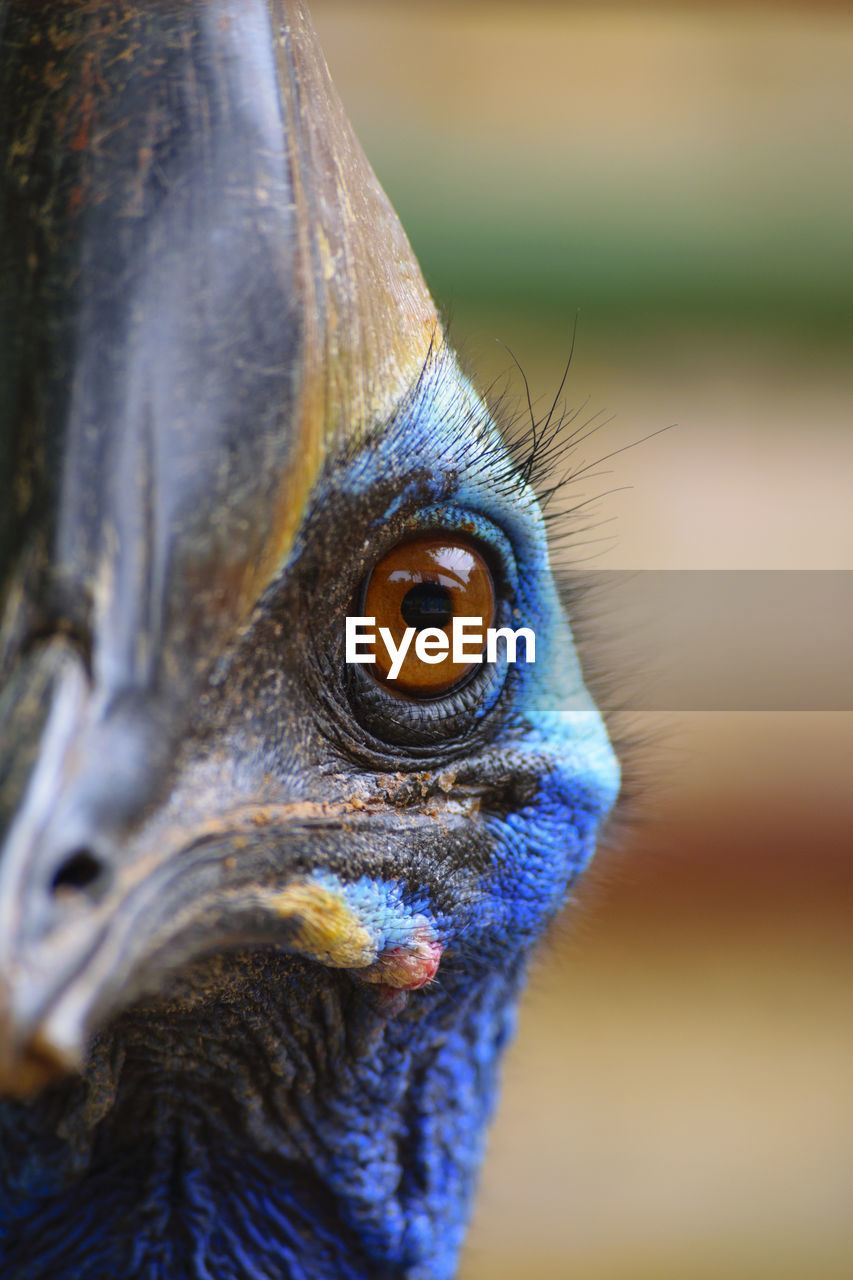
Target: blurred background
{"x":681,"y":177}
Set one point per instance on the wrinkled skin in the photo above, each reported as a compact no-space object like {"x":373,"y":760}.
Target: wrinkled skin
{"x":262,"y":922}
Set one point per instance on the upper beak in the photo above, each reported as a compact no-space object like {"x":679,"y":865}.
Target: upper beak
{"x":121,"y":866}
{"x":107,"y":889}
{"x":84,"y":873}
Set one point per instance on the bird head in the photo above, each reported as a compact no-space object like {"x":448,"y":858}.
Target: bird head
{"x":231,"y":421}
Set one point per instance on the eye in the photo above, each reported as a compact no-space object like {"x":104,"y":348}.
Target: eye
{"x":425,"y":583}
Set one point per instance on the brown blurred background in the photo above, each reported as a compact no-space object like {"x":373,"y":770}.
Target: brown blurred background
{"x":678,"y":1102}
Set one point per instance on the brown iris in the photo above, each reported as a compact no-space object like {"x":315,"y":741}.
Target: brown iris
{"x":425,"y":583}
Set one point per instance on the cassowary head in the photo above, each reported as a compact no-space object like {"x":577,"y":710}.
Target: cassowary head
{"x":263,"y":911}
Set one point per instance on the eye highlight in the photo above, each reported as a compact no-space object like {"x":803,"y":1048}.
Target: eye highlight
{"x":425,"y":583}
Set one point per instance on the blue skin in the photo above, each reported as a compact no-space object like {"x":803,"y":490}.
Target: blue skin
{"x":356,"y":1136}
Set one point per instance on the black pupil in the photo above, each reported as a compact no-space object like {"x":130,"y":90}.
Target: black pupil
{"x":427,"y":605}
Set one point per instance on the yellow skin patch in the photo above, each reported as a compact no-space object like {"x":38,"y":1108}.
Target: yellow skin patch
{"x":328,"y":929}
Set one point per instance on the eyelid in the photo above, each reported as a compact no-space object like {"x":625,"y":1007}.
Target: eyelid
{"x":451,"y":518}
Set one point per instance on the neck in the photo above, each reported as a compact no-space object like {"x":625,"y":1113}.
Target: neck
{"x":253,"y":1123}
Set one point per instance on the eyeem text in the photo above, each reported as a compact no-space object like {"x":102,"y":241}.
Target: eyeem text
{"x":433,"y":644}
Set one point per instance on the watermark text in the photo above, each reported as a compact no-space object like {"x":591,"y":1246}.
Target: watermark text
{"x":467,"y":643}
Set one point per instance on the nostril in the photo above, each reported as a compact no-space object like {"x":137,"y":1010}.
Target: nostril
{"x":81,"y":871}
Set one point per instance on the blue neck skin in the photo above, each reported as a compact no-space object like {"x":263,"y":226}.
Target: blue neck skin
{"x":250,"y":1136}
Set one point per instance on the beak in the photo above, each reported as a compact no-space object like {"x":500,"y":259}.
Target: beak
{"x":110,"y":890}
{"x":208,"y":295}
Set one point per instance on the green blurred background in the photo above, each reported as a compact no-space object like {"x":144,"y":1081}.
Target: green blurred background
{"x":678,"y":1102}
